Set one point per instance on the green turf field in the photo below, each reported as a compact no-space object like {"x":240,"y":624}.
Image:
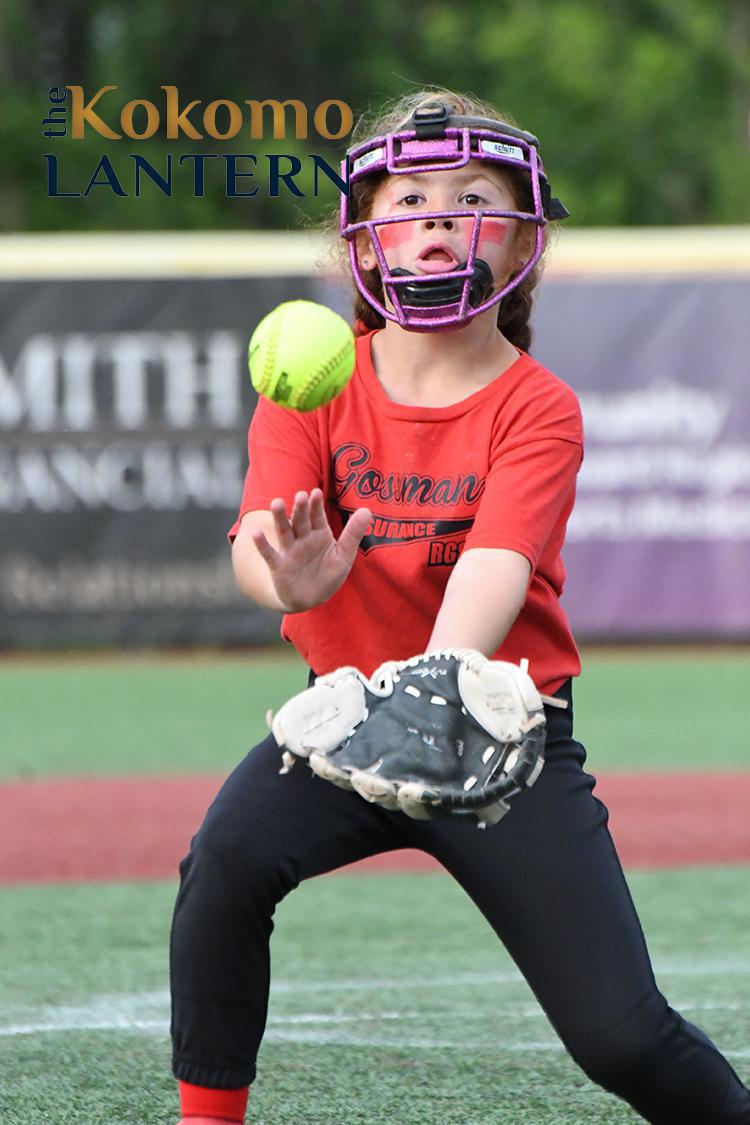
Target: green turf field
{"x":379,"y":1013}
{"x":150,"y":715}
{"x":423,"y":1024}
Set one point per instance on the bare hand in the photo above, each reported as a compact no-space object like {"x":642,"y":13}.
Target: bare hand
{"x":310,"y":564}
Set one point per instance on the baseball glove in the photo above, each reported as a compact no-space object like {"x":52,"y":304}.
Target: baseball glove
{"x":446,"y":734}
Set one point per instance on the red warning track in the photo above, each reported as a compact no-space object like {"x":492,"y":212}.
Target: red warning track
{"x":138,"y":828}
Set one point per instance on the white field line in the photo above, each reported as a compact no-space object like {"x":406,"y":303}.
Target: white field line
{"x":332,"y":1039}
{"x":134,"y":1003}
{"x":91,"y":1018}
{"x":148,"y":1011}
{"x":327,"y":1039}
{"x":689,"y":967}
{"x":374,"y":984}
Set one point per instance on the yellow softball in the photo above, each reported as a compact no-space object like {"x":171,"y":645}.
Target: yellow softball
{"x":301,"y":355}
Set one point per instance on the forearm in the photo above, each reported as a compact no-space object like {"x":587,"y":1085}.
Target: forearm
{"x":483,"y":597}
{"x":254,"y":579}
{"x":250,"y":571}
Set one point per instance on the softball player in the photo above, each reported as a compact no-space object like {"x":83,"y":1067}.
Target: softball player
{"x":425,"y":508}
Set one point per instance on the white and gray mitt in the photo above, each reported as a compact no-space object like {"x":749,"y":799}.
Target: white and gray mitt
{"x":446,"y":734}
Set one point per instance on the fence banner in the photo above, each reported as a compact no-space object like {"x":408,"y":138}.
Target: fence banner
{"x":659,"y":541}
{"x":123,"y":416}
{"x":123,"y":425}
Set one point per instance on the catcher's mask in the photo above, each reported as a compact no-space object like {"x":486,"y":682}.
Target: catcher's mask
{"x":435,"y":139}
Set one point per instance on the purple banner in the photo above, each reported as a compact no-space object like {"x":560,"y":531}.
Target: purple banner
{"x":659,"y":541}
{"x":123,"y":414}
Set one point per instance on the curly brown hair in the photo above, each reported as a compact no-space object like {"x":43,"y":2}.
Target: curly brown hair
{"x":514,"y":311}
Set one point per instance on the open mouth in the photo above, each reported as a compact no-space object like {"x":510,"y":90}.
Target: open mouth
{"x":437,"y":259}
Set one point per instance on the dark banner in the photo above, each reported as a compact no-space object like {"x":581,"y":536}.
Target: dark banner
{"x":123,"y":416}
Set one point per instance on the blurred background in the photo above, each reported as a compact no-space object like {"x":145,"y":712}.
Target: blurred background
{"x":132,"y":673}
{"x":124,"y":318}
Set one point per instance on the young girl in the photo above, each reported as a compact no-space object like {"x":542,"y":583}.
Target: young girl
{"x":425,"y":508}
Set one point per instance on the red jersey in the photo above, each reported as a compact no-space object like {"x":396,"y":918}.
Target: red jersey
{"x":497,"y":469}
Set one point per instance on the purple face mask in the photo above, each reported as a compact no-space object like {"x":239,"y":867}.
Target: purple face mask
{"x":435,"y":140}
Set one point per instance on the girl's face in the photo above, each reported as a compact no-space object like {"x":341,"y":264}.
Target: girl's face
{"x":427,"y":246}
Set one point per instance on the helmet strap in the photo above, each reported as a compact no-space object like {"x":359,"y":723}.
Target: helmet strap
{"x":424,"y":294}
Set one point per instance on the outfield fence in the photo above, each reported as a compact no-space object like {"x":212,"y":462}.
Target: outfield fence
{"x":124,"y":404}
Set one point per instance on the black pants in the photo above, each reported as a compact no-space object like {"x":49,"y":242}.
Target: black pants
{"x":547,"y":878}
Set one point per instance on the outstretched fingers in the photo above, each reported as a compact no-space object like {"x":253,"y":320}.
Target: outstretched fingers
{"x":282,"y":526}
{"x":351,"y":536}
{"x":301,"y":515}
{"x":265,"y":550}
{"x":318,"y":518}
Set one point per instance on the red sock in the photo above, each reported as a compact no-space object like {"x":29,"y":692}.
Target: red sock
{"x":204,"y":1101}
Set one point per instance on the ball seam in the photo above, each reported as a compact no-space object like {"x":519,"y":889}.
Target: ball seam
{"x":270,"y":359}
{"x":315,"y":379}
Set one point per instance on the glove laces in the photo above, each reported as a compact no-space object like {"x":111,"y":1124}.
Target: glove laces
{"x":388,"y":674}
{"x":384,"y":677}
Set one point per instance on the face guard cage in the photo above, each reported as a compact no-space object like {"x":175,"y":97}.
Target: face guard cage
{"x":434,"y":140}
